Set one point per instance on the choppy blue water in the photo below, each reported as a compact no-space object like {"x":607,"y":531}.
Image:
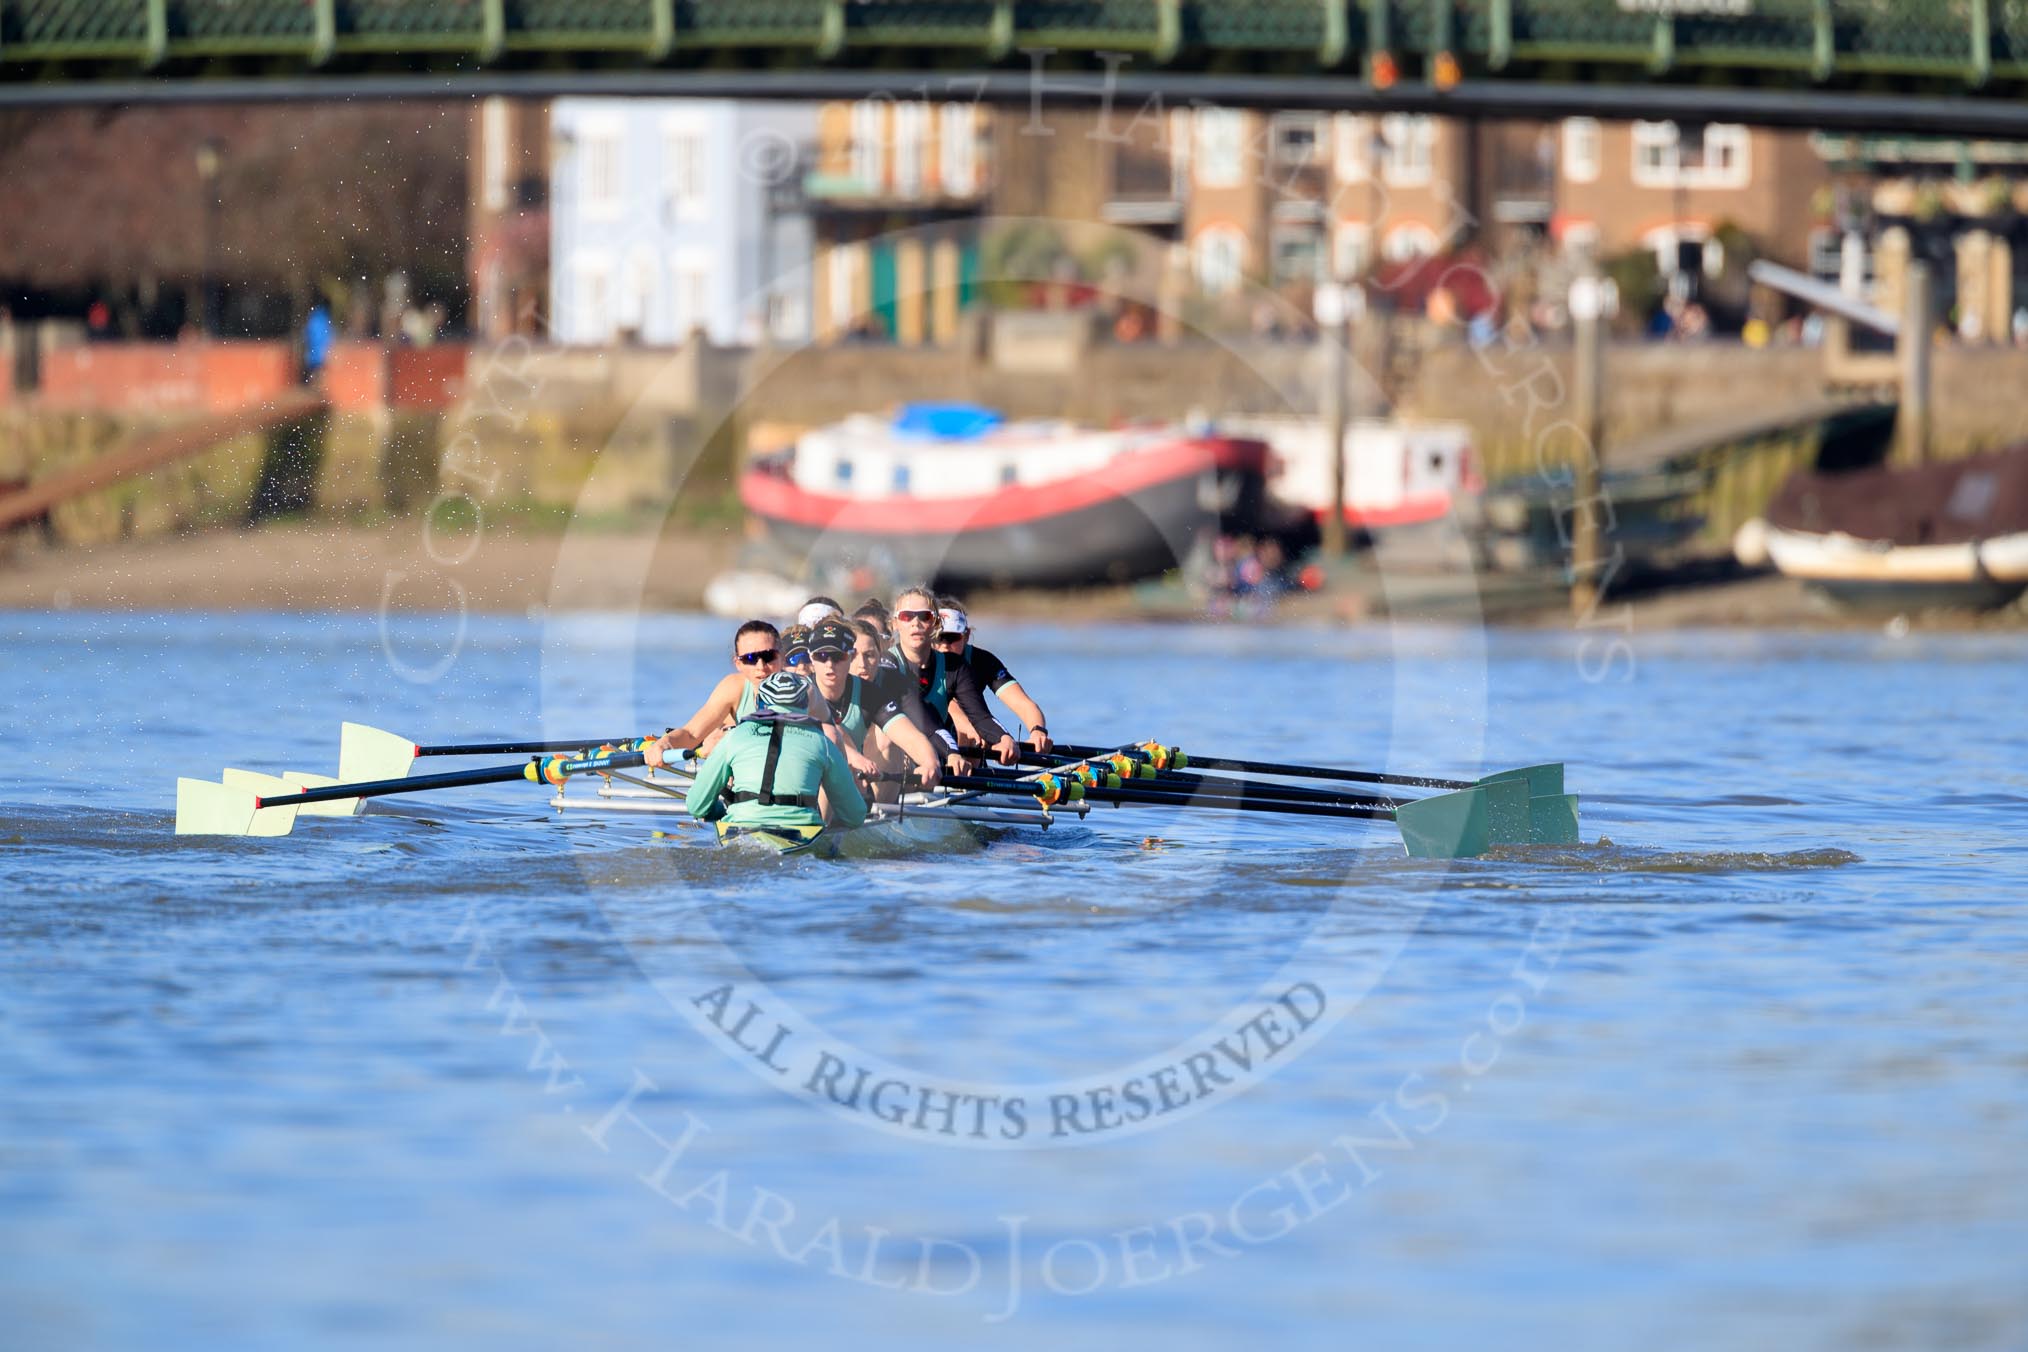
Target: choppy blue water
{"x":1750,"y":1074}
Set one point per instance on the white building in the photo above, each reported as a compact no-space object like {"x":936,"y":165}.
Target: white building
{"x":661,"y":223}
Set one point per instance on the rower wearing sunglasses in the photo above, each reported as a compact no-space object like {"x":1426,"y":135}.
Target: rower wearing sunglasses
{"x":871,"y":715}
{"x":954,"y":640}
{"x":756,"y":655}
{"x":940,"y":680}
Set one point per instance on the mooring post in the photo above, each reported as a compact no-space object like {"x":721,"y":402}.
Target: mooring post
{"x":1587,"y":308}
{"x":1334,"y":314}
{"x":1913,"y":343}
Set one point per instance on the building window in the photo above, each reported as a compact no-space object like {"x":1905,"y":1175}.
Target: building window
{"x":901,"y":477}
{"x":593,"y":311}
{"x":958,"y":151}
{"x":637,"y":296}
{"x":1714,"y":156}
{"x":683,"y":169}
{"x":493,"y":154}
{"x":843,"y":286}
{"x":1354,"y":134}
{"x":842,"y":471}
{"x":869,"y":145}
{"x":908,"y":147}
{"x":1297,"y":254}
{"x":600,"y":188}
{"x":1407,"y":149}
{"x":1581,"y":149}
{"x":1221,"y":147}
{"x":1352,"y":248}
{"x":1415,"y":240}
{"x":689,"y":292}
{"x":1295,"y":138}
{"x":1221,"y":259}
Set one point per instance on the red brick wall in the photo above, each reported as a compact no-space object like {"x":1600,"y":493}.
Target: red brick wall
{"x":426,"y":377}
{"x":355,"y":376}
{"x":165,"y":376}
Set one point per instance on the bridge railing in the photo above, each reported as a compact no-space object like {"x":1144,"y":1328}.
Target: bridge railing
{"x":1965,"y":43}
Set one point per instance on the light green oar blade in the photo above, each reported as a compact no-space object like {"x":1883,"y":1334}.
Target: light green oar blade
{"x":1448,"y":826}
{"x":207,"y":809}
{"x":367,"y":754}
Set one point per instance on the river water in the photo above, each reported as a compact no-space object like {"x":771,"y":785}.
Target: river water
{"x":1746,"y":1069}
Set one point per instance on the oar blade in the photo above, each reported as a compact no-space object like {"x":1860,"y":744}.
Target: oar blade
{"x":368,"y":754}
{"x":1447,"y":826}
{"x":1542,"y":780}
{"x":298,"y":780}
{"x":267,"y":821}
{"x":207,"y":809}
{"x":1507,"y":810}
{"x":1552,"y":819}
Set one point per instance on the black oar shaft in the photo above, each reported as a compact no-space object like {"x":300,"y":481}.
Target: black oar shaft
{"x":516,"y":748}
{"x":454,"y":779}
{"x":1159,"y":798}
{"x":1186,"y":784}
{"x":1245,"y":767}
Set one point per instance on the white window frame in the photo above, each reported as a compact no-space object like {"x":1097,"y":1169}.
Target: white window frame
{"x":958,"y":150}
{"x":1412,"y":239}
{"x":686,"y":167}
{"x":1307,"y":234}
{"x":1220,"y":149}
{"x":1218,"y":259}
{"x":1286,"y":156}
{"x":911,"y":121}
{"x":1408,"y":149}
{"x":1658,"y":156}
{"x":1583,"y":149}
{"x":1354,"y":135}
{"x":493,"y":131}
{"x":591,"y":300}
{"x":689,"y":292}
{"x":602,"y":155}
{"x":1352,"y":248}
{"x":869,"y":145}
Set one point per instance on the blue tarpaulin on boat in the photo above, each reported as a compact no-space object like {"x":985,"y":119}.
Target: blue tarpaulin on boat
{"x":946,"y":422}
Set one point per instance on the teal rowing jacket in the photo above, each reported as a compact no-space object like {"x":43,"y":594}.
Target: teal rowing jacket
{"x":808,"y":760}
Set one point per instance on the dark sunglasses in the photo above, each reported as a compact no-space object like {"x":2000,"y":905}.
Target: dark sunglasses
{"x":829,"y":655}
{"x":760,"y":657}
{"x":912,"y":616}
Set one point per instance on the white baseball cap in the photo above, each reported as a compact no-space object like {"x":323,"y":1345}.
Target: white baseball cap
{"x":815,"y":611}
{"x":953,"y":622}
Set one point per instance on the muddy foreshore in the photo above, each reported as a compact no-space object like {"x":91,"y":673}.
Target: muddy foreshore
{"x":315,"y":567}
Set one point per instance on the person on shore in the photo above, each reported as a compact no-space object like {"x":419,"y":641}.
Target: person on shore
{"x":756,"y":655}
{"x":954,"y":638}
{"x":940,"y":680}
{"x":775,"y":769}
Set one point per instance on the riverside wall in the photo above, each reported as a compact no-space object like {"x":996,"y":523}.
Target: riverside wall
{"x":522,"y":428}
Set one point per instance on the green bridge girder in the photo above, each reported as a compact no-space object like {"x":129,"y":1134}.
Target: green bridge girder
{"x":1961,"y":49}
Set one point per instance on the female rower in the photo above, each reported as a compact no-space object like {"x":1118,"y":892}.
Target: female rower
{"x":940,"y":680}
{"x":954,"y":638}
{"x":875,"y":614}
{"x":769,"y":769}
{"x":756,"y":655}
{"x":867,"y":649}
{"x":872,"y":714}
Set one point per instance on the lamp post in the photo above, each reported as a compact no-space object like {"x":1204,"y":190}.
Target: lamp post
{"x":209,"y":157}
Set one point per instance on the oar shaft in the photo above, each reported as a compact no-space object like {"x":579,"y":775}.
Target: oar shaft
{"x":454,"y":779}
{"x":1214,"y":786}
{"x":516,"y":748}
{"x":1197,"y":762}
{"x":1159,"y":798}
